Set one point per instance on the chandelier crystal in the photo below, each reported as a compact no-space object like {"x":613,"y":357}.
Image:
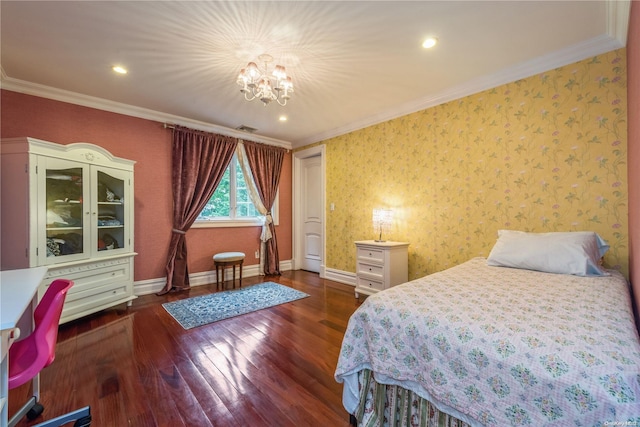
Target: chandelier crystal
{"x":259,"y":84}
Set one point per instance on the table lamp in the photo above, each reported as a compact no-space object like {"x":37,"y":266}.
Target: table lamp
{"x":382,"y":219}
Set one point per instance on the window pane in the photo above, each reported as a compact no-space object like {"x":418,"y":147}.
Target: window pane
{"x":244,"y":206}
{"x":220,"y":203}
{"x":220,"y":207}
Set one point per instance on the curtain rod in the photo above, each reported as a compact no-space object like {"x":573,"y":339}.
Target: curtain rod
{"x":168,"y":126}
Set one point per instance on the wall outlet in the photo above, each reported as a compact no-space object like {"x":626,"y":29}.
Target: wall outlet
{"x":257,"y":254}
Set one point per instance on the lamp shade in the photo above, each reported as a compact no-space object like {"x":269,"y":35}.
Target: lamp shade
{"x":382,"y":220}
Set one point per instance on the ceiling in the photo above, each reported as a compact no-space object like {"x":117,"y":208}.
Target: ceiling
{"x":353,"y":63}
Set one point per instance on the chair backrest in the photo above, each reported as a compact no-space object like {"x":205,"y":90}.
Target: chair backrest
{"x":30,"y":355}
{"x":47,"y":314}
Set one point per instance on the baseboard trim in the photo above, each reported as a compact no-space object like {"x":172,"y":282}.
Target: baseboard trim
{"x":152,"y":286}
{"x":346,"y":277}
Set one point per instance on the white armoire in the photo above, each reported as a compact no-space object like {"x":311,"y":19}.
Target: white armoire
{"x":70,"y":208}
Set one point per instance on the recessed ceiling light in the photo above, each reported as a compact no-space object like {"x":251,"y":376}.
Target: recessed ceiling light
{"x":429,"y":42}
{"x":118,"y":69}
{"x":283,"y":118}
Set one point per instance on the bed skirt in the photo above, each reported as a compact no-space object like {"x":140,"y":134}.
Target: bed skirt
{"x":391,"y":405}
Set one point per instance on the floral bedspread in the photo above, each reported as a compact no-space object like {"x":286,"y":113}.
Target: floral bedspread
{"x":498,"y":346}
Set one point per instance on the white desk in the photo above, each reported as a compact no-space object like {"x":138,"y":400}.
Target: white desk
{"x":18,"y":290}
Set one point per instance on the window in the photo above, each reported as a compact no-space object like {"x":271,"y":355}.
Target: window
{"x":231,"y":204}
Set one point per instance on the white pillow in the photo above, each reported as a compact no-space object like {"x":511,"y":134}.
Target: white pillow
{"x":574,"y":252}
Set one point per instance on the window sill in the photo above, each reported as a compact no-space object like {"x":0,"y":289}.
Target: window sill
{"x":228,"y":223}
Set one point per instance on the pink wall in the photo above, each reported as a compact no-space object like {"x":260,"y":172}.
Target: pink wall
{"x":149,"y":144}
{"x":633,"y":120}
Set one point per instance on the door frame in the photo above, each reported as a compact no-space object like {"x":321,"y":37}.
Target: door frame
{"x":297,"y":233}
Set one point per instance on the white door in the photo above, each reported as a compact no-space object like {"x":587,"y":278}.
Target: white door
{"x":309,"y":209}
{"x":311,"y":214}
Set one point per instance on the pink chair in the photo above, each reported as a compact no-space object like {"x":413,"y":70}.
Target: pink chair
{"x":34,"y":353}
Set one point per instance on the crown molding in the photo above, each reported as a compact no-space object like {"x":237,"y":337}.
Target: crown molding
{"x":572,"y":54}
{"x":35,"y":89}
{"x":618,"y":12}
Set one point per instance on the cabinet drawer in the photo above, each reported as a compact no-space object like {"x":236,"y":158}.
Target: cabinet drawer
{"x":99,"y":299}
{"x":371,"y":270}
{"x":366,"y":283}
{"x":371,"y":254}
{"x":93,"y":280}
{"x":96,"y":286}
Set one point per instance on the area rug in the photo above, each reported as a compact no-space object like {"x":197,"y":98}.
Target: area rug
{"x":198,"y":311}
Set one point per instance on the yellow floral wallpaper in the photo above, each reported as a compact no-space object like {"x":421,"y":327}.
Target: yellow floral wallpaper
{"x":545,"y":153}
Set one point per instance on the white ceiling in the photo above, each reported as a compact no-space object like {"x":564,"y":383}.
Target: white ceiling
{"x":353,"y":63}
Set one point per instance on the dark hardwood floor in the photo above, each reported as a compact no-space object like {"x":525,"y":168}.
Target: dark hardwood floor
{"x":136,"y":366}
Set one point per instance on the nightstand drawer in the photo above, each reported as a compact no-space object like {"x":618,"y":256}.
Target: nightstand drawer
{"x":371,"y":254}
{"x":371,"y":270}
{"x":365,"y":283}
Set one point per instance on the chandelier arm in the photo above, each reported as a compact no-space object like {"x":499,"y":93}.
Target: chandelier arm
{"x":253,"y":96}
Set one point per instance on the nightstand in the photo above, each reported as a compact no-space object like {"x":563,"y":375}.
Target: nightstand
{"x":380,"y":265}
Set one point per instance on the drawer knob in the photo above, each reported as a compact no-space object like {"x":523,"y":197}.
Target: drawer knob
{"x":369,"y":268}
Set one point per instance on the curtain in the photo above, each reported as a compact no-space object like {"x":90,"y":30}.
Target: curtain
{"x":255,"y":199}
{"x":199,"y":160}
{"x":265,"y":162}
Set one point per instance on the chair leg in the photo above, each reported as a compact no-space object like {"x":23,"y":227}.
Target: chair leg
{"x":240,"y":273}
{"x":82,"y":418}
{"x":29,"y":404}
{"x":219,"y":276}
{"x":234,"y":276}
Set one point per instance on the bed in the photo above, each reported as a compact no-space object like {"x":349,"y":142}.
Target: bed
{"x":490,"y":343}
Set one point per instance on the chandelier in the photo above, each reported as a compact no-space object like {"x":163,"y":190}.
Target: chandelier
{"x":258,"y":84}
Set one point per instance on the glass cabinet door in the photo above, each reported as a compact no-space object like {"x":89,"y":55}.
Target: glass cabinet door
{"x":66,"y":196}
{"x":110,"y":215}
